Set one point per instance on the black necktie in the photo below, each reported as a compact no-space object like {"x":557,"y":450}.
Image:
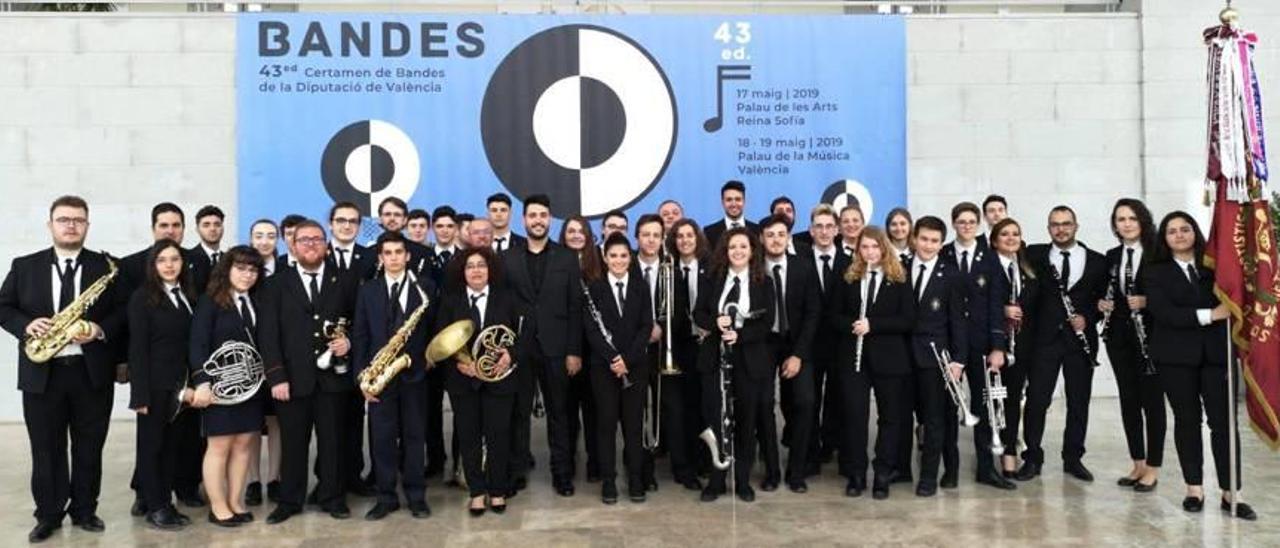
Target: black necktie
{"x":1192,"y":275}
{"x":342,"y":258}
{"x":734,"y":225}
{"x":475,"y":311}
{"x":246,"y":315}
{"x":647,"y":280}
{"x":397,"y":310}
{"x":903,"y":257}
{"x":313,"y":287}
{"x":964,"y":263}
{"x":215,"y":256}
{"x":67,"y":291}
{"x":177,"y":297}
{"x":779,"y":299}
{"x":735,"y":292}
{"x":622,"y":298}
{"x":1128,"y":271}
{"x":826,"y":268}
{"x":871,"y":290}
{"x":1066,"y":270}
{"x":920,"y":283}
{"x":500,"y":242}
{"x":1013,"y":280}
{"x":444,"y":257}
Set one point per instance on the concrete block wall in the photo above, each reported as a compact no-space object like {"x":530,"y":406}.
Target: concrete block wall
{"x":128,"y":110}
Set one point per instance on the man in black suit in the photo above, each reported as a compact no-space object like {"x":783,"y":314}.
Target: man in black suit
{"x":985,"y":287}
{"x":798,"y":241}
{"x":202,"y":256}
{"x":167,"y":222}
{"x":393,"y":215}
{"x":71,"y":394}
{"x":289,"y":258}
{"x":670,"y":211}
{"x":733,"y":199}
{"x":829,"y":262}
{"x":448,"y":242}
{"x":1083,"y":272}
{"x":307,"y":370}
{"x":798,"y":310}
{"x":397,"y":433}
{"x":546,"y":281}
{"x":941,"y":327}
{"x":418,"y":227}
{"x":646,"y":266}
{"x":498,"y":209}
{"x":344,"y":253}
{"x":994,"y":209}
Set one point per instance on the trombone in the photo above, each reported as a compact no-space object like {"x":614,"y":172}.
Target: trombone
{"x":664,"y":312}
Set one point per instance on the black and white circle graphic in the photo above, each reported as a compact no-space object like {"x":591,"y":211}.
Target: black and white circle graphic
{"x":580,"y":113}
{"x":369,"y":161}
{"x":847,"y":192}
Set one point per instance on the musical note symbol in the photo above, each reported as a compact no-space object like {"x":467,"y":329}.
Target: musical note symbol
{"x":723,"y":73}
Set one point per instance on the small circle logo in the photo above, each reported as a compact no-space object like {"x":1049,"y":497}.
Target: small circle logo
{"x":368,"y":161}
{"x":847,"y":192}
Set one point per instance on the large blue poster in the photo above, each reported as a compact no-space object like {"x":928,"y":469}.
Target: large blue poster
{"x":598,"y":112}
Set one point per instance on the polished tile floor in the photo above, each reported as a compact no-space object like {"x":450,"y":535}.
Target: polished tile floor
{"x":1052,"y":510}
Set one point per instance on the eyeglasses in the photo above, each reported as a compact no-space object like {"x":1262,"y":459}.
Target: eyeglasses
{"x":345,"y":221}
{"x":1067,"y":224}
{"x":477,"y":266}
{"x":309,"y":241}
{"x":71,"y":221}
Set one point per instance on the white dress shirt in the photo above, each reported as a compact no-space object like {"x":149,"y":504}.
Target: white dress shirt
{"x":866,"y":284}
{"x":928,"y":273}
{"x":1016,"y":282}
{"x":306,"y":279}
{"x":691,"y":274}
{"x":1077,"y":261}
{"x":480,"y":303}
{"x":831,"y":262}
{"x":168,"y":289}
{"x":71,"y":349}
{"x":649,"y":273}
{"x":1203,"y":315}
{"x":1124,"y":263}
{"x":782,"y":281}
{"x":253,"y":314}
{"x":744,"y":298}
{"x":613,"y":289}
{"x":403,"y":280}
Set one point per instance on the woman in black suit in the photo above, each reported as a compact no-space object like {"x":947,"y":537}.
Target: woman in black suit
{"x":576,"y":234}
{"x":225,"y":314}
{"x":1189,"y":347}
{"x":619,"y":366}
{"x":482,"y":410}
{"x":159,"y":330}
{"x":738,"y":276}
{"x":686,"y":241}
{"x":1141,"y":400}
{"x":1019,"y":314}
{"x":877,"y":276}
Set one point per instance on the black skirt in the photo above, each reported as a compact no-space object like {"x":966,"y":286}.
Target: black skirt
{"x":241,"y":418}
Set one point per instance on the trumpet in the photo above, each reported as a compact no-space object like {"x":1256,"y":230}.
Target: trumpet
{"x":995,"y":394}
{"x":957,"y":389}
{"x":333,"y":330}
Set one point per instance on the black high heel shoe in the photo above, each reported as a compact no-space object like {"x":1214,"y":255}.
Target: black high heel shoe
{"x":229,"y":522}
{"x":1193,"y":504}
{"x":476,"y":512}
{"x":498,"y":508}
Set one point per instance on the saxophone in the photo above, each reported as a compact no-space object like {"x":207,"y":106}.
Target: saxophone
{"x":69,"y":322}
{"x":390,"y":361}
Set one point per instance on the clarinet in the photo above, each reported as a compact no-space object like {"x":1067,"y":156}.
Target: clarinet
{"x":1140,"y":332}
{"x":604,"y":331}
{"x":1071,"y":311}
{"x":1104,"y":328}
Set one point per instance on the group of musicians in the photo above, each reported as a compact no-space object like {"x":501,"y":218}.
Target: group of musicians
{"x":689,"y":336}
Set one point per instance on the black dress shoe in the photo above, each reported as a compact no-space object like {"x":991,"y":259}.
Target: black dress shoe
{"x":691,"y":484}
{"x":609,"y":492}
{"x":229,"y":522}
{"x":1009,"y":474}
{"x":636,"y":496}
{"x":996,"y":481}
{"x":246,"y":517}
{"x":42,"y":531}
{"x":565,"y":489}
{"x":1028,"y":472}
{"x":770,"y":484}
{"x":273,"y":492}
{"x":1077,"y":470}
{"x":182,"y":518}
{"x":855,"y":488}
{"x":92,"y":524}
{"x":380,"y":510}
{"x":280,"y":515}
{"x":138,"y":509}
{"x":1140,"y":487}
{"x":651,"y":484}
{"x":419,"y":509}
{"x":745,"y":493}
{"x":1127,"y":481}
{"x":1193,"y":504}
{"x":798,"y":486}
{"x":880,"y":488}
{"x":164,"y":519}
{"x":338,"y":511}
{"x":1243,"y":511}
{"x":949,"y":480}
{"x":926,"y":489}
{"x":253,"y":494}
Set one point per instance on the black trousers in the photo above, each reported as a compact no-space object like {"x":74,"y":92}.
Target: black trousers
{"x":69,"y":407}
{"x":799,"y":407}
{"x":189,"y":466}
{"x":553,"y":379}
{"x":483,"y":422}
{"x":906,"y":431}
{"x":1196,"y":392}
{"x":747,"y":394}
{"x":582,"y":414}
{"x":855,"y":394}
{"x":826,"y":418}
{"x":397,"y":441}
{"x":1054,"y":356}
{"x":614,"y":404}
{"x":1015,"y":380}
{"x":434,"y":416}
{"x":157,"y":449}
{"x":680,"y":420}
{"x":937,"y":413}
{"x":326,"y":413}
{"x":1141,"y":401}
{"x":353,"y":448}
{"x":983,"y":435}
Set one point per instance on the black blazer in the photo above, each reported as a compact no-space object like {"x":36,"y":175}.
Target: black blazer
{"x":553,"y":314}
{"x":27,"y":294}
{"x":804,"y":307}
{"x":684,"y":343}
{"x":517,"y":241}
{"x":752,"y":348}
{"x":363,"y":262}
{"x":372,"y":329}
{"x":826,"y":292}
{"x":718,"y":227}
{"x":212,"y":326}
{"x":1084,"y":295}
{"x":159,"y":336}
{"x":939,"y":314}
{"x":892,"y":317}
{"x":199,"y":267}
{"x":630,"y":331}
{"x":1029,"y":300}
{"x":499,"y":309}
{"x":1177,"y":338}
{"x":291,"y":329}
{"x":1120,"y":331}
{"x":982,"y":307}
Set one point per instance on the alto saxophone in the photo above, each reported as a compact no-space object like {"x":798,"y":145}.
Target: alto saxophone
{"x":390,"y":360}
{"x":69,"y":322}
